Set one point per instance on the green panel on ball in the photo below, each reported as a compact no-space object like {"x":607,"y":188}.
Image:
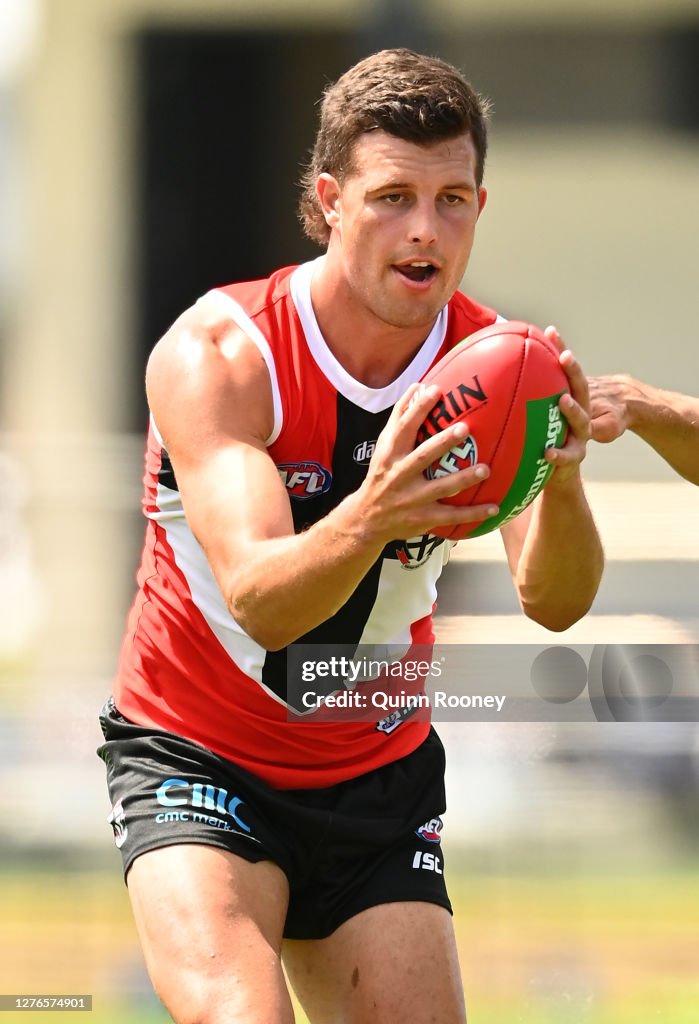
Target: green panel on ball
{"x":546,"y":428}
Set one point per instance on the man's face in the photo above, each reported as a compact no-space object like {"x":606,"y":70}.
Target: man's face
{"x":403,"y":224}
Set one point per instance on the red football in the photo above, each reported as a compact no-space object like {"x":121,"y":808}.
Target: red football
{"x":505,"y":381}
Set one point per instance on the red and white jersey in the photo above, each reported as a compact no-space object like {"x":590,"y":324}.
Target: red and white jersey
{"x":186,"y":665}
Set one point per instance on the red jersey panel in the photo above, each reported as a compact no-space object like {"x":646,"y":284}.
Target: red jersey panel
{"x":186,"y":665}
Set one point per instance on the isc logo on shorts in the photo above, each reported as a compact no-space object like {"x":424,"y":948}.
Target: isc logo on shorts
{"x":428,"y":862}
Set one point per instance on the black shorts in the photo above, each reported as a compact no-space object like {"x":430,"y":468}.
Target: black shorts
{"x":370,"y":840}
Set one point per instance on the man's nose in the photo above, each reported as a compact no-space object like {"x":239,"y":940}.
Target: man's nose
{"x":422,"y":228}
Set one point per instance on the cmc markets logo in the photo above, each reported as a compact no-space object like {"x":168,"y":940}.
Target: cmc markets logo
{"x":199,"y":798}
{"x":304,"y":479}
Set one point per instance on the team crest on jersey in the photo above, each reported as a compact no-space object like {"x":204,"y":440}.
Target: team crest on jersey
{"x":415,"y":551}
{"x":431,"y":830}
{"x":304,"y":479}
{"x":459,"y":457}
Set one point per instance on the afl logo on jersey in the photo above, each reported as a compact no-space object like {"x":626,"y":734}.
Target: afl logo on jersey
{"x":304,"y":479}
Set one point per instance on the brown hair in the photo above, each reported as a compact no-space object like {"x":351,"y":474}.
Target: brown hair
{"x":417,"y":98}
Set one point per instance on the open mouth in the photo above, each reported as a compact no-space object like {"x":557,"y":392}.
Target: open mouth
{"x":418,"y":270}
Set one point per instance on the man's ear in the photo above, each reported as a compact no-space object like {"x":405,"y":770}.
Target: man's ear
{"x":328,"y":192}
{"x":482,"y":197}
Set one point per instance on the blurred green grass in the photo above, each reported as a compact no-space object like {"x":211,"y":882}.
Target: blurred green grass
{"x":594,"y":948}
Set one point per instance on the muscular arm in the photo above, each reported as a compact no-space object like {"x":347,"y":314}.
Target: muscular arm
{"x":553,"y":548}
{"x":210,"y":394}
{"x":666,"y":420}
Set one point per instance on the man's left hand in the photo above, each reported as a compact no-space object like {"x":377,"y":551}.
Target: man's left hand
{"x":575,"y":407}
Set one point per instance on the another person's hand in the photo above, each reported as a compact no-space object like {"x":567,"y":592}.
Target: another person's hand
{"x":666,"y":420}
{"x":608,"y":407}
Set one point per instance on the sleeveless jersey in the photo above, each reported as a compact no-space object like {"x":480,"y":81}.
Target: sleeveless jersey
{"x":186,"y":666}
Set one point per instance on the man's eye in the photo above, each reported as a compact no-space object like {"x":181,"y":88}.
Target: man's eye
{"x":393,"y":198}
{"x":453,"y":200}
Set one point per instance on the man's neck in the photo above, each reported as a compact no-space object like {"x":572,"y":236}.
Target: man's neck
{"x":370,"y":350}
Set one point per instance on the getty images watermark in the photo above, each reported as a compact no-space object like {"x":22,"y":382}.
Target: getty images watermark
{"x":493,"y":682}
{"x":386,"y":693}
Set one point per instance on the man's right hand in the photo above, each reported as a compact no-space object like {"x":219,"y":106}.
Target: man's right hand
{"x":397,"y":499}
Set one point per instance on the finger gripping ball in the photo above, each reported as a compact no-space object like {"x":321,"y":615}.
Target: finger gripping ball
{"x":505,"y":381}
